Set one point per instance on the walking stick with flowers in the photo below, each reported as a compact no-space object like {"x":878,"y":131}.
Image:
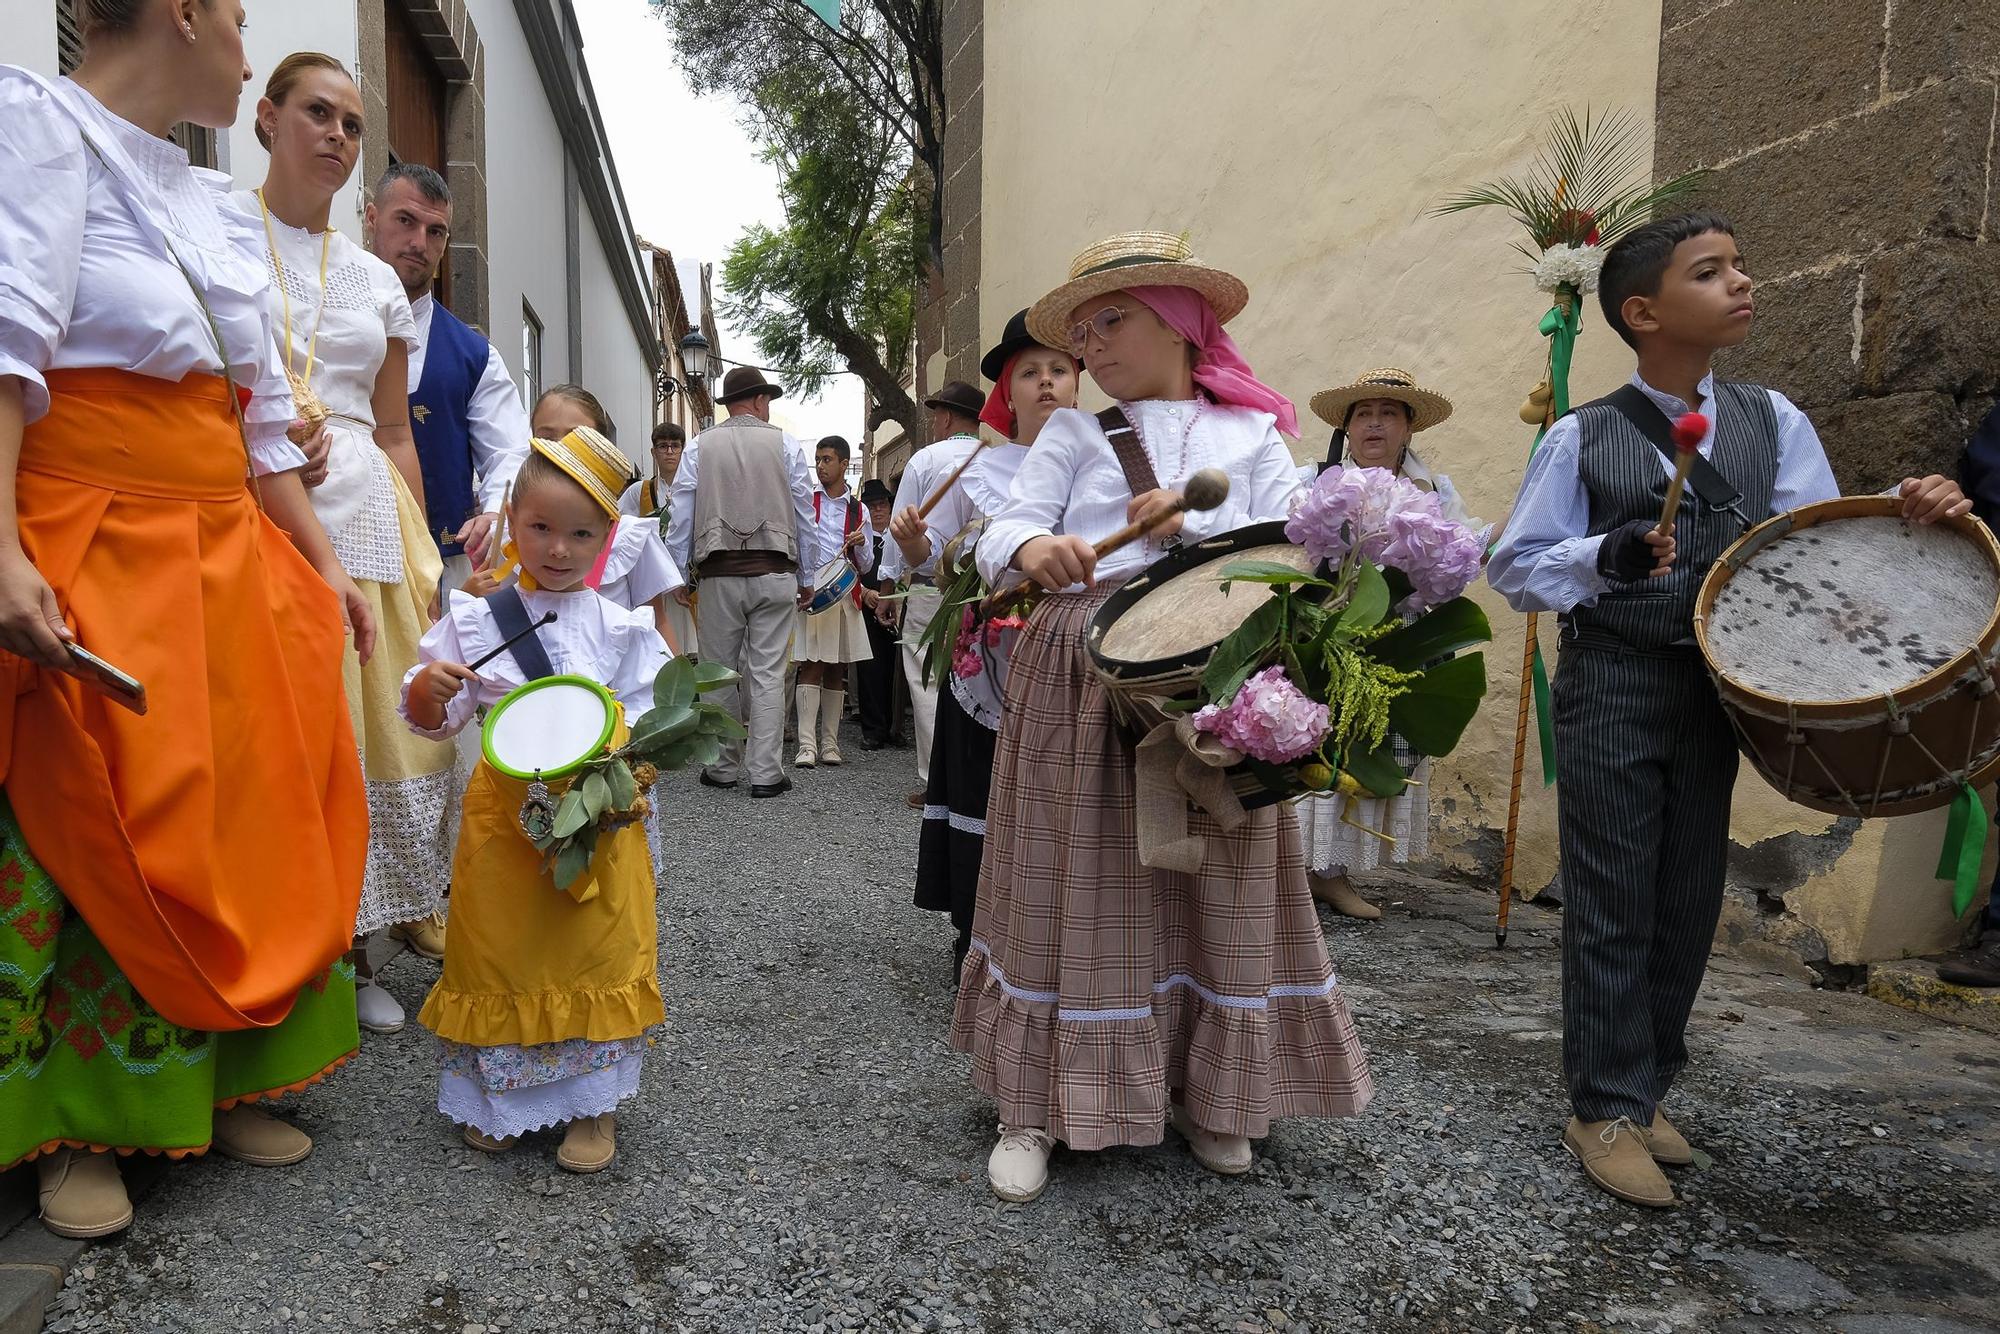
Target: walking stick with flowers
{"x":1588,"y":187}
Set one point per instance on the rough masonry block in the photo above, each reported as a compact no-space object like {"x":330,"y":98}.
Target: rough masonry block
{"x":1874,"y":443}
{"x":1942,"y":38}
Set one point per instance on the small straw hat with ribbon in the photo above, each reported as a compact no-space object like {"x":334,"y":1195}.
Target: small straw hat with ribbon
{"x":1133,"y":259}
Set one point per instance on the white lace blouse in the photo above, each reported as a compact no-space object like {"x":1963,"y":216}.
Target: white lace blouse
{"x":88,"y":274}
{"x":1071,"y":483}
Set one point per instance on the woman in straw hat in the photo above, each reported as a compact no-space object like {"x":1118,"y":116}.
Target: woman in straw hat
{"x":1030,"y":383}
{"x":1374,"y":419}
{"x":1102,"y":999}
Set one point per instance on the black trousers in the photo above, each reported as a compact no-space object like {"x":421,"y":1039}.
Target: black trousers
{"x":875,"y":683}
{"x":1645,"y":764}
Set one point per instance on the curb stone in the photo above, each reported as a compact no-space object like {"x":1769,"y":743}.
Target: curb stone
{"x":1915,"y":985}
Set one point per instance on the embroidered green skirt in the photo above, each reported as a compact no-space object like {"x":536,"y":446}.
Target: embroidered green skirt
{"x":86,"y":1062}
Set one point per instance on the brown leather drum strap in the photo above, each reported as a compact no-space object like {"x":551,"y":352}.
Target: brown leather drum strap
{"x":1131,"y":452}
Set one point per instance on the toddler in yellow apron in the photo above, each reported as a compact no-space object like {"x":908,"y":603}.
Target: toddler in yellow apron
{"x":546,"y":995}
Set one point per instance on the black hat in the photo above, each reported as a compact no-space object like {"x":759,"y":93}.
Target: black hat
{"x":874,"y":489}
{"x":959,"y":397}
{"x":1012,"y":341}
{"x":745,"y":381}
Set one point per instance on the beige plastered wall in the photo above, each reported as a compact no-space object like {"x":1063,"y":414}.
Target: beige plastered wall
{"x":1301,"y":146}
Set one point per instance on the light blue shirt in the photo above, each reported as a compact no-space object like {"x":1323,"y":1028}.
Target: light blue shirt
{"x":1545,"y":561}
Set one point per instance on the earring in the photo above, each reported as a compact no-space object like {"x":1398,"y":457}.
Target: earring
{"x":188,"y":30}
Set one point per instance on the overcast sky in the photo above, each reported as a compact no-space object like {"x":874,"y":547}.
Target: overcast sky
{"x":692,"y":177}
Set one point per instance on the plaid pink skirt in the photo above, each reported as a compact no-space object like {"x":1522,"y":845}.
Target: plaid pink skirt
{"x":1098,"y":990}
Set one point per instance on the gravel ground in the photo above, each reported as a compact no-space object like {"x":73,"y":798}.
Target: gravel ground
{"x":807,"y":1153}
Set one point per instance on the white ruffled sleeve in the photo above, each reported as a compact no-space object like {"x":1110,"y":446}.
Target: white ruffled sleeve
{"x":639,"y":561}
{"x":453,"y":639}
{"x":271,"y":411}
{"x":41,"y":232}
{"x":641,"y":655}
{"x":1041,"y":491}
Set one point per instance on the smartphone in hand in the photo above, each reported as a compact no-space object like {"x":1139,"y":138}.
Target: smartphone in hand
{"x":121,"y":687}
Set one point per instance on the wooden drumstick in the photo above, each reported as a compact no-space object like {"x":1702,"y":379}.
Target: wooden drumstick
{"x":923,"y":510}
{"x":495,"y":559}
{"x":548,"y":618}
{"x":1688,"y":433}
{"x":1204,"y":490}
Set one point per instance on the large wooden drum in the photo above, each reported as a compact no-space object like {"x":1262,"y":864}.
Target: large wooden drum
{"x":1855,"y":654}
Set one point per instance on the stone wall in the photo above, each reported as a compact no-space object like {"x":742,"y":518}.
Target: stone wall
{"x":1852,"y":143}
{"x":948,"y":320}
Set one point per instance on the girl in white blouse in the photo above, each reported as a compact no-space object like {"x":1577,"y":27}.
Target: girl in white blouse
{"x":1101,"y":998}
{"x":345,"y":329}
{"x":200,"y":865}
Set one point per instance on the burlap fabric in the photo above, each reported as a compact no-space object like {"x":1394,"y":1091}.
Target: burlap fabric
{"x":1097,"y":989}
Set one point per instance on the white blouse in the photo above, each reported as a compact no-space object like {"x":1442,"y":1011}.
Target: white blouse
{"x":980,"y":492}
{"x":357,"y":312}
{"x":88,"y":277}
{"x":592,"y":637}
{"x":1070,"y":482}
{"x":830,"y":525}
{"x":639,"y":568}
{"x":925,"y":472}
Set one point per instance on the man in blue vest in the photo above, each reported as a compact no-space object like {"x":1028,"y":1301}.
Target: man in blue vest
{"x":470,"y":425}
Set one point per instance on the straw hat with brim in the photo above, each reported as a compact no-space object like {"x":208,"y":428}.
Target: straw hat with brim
{"x":1427,"y":408}
{"x":745,"y":381}
{"x":593,"y":462}
{"x":1133,"y":259}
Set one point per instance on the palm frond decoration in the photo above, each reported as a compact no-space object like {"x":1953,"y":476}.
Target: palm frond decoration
{"x":1588,"y":187}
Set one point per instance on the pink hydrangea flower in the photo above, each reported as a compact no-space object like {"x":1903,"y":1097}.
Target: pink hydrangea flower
{"x":1440,"y":556}
{"x":1349,"y":508}
{"x":1270,"y":719}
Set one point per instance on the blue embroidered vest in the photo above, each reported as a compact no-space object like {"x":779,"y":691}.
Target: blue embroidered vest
{"x":454,"y":359}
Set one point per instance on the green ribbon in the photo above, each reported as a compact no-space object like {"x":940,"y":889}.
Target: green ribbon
{"x":1560,"y":327}
{"x":1964,"y":844}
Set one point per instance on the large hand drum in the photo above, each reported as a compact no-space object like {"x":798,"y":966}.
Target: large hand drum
{"x":1855,"y":654}
{"x":549,"y":729}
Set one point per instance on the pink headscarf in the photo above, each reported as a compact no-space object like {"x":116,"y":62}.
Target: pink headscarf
{"x":1220,"y":368}
{"x":999,"y":411}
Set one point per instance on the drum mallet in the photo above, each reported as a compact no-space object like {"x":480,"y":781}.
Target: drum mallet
{"x":548,"y":618}
{"x":1688,"y":433}
{"x":1205,"y":489}
{"x":931,"y":501}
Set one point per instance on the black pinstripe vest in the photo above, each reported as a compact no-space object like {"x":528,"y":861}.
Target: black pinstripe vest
{"x":1622,"y":473}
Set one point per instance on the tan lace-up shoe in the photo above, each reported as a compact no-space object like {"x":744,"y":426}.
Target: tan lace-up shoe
{"x":1614,"y":1156}
{"x":1338,"y":893}
{"x":1224,"y":1155}
{"x":486,"y":1143}
{"x":1018,"y":1168}
{"x":589,"y":1145}
{"x":425,"y":936}
{"x":1666,"y":1144}
{"x":258,"y":1138}
{"x":82,"y":1194}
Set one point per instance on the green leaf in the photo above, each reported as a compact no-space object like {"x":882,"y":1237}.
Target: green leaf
{"x":596,"y":794}
{"x":674,"y":685}
{"x":1242,"y":652}
{"x":1369,"y":602}
{"x":663,"y":723}
{"x":1270,"y":572}
{"x":624,"y":787}
{"x":574,"y":859}
{"x":721,"y":723}
{"x":1433,"y":713}
{"x":571,"y":813}
{"x":1438,"y":633}
{"x":712,"y":676}
{"x":1377,"y":771}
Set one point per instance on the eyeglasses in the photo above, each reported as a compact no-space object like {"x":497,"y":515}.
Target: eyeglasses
{"x":1106,"y":322}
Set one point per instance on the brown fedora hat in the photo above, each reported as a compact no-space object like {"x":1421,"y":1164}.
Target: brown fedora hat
{"x":744,"y":381}
{"x":959,"y":397}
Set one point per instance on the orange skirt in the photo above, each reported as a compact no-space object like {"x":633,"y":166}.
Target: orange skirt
{"x":216,"y":845}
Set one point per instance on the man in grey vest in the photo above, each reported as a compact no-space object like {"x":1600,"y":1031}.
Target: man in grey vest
{"x":743,"y":527}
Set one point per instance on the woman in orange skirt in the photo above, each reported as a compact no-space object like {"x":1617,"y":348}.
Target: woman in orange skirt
{"x":177,"y":887}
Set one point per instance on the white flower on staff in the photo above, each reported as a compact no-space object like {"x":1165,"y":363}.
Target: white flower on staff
{"x":1569,"y":266}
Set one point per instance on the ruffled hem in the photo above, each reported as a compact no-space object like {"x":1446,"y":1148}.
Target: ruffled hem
{"x":191,"y":1151}
{"x":498,"y":1019}
{"x":543,"y":1107}
{"x":1236,"y":1069}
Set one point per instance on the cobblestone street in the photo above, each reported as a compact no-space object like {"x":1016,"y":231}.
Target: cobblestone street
{"x":807,"y":1153}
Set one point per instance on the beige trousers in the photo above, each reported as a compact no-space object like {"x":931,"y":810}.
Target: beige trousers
{"x":918,"y":609}
{"x":746,"y":626}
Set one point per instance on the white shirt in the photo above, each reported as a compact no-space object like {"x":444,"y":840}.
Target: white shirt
{"x":633,"y":501}
{"x":592,"y":636}
{"x":981,"y":492}
{"x":638,"y":568}
{"x":495,"y":421}
{"x":924,"y":473}
{"x":88,"y":277}
{"x":1070,"y":482}
{"x":830,"y":524}
{"x":798,"y":472}
{"x":1544,"y":561}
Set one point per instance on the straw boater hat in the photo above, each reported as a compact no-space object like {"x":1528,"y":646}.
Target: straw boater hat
{"x":745,"y":381}
{"x":1133,"y":259}
{"x":1427,"y":408}
{"x":593,"y":462}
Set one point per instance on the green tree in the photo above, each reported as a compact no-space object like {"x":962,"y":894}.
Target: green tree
{"x":853,"y":119}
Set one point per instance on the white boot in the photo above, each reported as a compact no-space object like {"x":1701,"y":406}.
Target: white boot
{"x":808,"y":705}
{"x":831,"y":702}
{"x":1018,"y":1168}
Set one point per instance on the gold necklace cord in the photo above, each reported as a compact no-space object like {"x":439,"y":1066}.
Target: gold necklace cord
{"x":284,"y":292}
